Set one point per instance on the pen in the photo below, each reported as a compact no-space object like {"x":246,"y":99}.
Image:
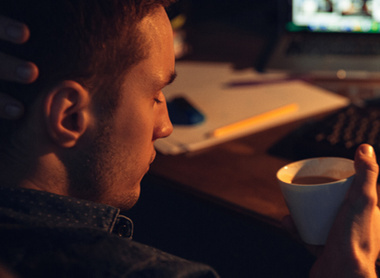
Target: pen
{"x":265,"y":81}
{"x":269,"y":115}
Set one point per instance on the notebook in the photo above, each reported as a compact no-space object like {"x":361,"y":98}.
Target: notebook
{"x":328,"y":37}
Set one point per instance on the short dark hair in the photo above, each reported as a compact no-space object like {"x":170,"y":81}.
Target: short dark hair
{"x":91,"y":41}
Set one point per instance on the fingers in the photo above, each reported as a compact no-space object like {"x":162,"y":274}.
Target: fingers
{"x":353,"y":244}
{"x":13,"y":31}
{"x":10,"y":108}
{"x":13,"y":69}
{"x":365,"y":183}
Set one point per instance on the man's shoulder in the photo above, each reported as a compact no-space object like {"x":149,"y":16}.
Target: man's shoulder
{"x":83,"y":252}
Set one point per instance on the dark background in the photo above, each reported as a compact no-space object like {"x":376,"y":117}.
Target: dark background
{"x":239,"y":31}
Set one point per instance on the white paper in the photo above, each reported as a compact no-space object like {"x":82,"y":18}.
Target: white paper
{"x":205,"y":86}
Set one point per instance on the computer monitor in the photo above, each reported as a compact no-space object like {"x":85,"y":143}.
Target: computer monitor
{"x":323,"y":37}
{"x":362,"y":16}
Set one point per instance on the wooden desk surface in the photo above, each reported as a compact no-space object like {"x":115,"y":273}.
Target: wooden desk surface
{"x":240,"y":174}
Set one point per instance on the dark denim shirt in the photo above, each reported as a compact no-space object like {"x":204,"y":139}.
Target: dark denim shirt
{"x":48,"y":235}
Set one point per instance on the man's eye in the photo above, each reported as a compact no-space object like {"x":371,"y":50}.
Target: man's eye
{"x":159,"y":98}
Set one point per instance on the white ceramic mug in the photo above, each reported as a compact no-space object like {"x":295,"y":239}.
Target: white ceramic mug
{"x":314,"y":190}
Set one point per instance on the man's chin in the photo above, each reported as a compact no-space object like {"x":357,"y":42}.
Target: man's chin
{"x":123,"y":199}
{"x":127,"y":203}
{"x":131,"y":198}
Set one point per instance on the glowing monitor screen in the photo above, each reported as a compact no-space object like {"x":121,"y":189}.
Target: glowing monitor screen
{"x":361,"y":16}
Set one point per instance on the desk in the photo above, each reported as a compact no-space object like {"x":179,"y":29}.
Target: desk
{"x":239,"y":174}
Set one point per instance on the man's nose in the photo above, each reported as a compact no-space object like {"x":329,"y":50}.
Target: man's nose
{"x":164,"y":126}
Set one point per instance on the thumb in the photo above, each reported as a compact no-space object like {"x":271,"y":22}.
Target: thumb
{"x":366,"y":172}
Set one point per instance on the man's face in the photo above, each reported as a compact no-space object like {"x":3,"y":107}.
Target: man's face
{"x":141,"y":117}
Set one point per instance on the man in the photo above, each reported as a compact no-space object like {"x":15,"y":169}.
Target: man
{"x":87,"y":137}
{"x":74,"y":158}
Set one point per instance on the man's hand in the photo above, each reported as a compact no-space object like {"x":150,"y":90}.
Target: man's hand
{"x":13,"y":69}
{"x":353,"y":244}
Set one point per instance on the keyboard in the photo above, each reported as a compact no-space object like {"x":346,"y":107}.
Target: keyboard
{"x":336,"y":135}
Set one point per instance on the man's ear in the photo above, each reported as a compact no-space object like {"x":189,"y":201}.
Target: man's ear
{"x":66,"y":110}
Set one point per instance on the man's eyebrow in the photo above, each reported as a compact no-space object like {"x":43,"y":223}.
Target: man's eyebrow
{"x":163,"y":83}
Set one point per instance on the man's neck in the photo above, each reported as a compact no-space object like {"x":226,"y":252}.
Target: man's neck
{"x":45,"y":173}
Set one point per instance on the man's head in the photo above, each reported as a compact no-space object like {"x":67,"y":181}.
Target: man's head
{"x":97,"y":107}
{"x":79,"y":40}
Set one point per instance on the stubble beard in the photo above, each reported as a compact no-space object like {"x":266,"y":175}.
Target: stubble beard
{"x":92,"y":171}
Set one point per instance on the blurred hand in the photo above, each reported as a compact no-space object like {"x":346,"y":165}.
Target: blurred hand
{"x":353,"y":245}
{"x":13,"y":69}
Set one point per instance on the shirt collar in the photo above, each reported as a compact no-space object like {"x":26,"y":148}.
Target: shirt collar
{"x":39,"y":208}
